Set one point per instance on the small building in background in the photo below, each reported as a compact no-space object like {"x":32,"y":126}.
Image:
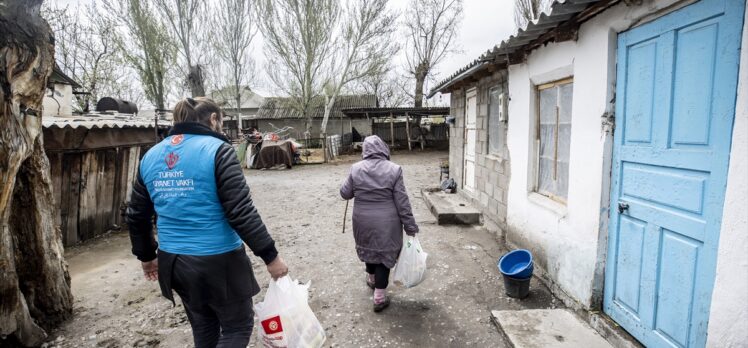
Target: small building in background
{"x":59,"y":98}
{"x":93,"y":161}
{"x":237,"y":118}
{"x":278,"y":113}
{"x":93,"y":157}
{"x":405,"y":127}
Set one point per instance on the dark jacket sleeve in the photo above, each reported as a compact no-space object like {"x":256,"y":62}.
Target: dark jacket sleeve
{"x":139,"y":218}
{"x":233,"y":192}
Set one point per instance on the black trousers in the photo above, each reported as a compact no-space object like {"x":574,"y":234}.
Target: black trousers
{"x":217,"y":295}
{"x":381,"y":274}
{"x":225,"y":326}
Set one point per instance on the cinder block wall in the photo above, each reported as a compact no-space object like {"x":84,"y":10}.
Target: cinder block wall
{"x":491,"y":170}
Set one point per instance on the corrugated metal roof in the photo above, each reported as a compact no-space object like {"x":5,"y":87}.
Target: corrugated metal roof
{"x":559,"y":12}
{"x":395,"y":111}
{"x":58,"y":76}
{"x":95,"y":121}
{"x":276,"y":108}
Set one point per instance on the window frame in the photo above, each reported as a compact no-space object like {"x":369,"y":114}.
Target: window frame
{"x":536,"y":182}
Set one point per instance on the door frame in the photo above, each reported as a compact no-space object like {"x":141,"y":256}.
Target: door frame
{"x":471,"y":93}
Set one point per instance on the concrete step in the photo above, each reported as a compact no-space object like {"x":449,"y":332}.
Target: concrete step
{"x":540,"y":328}
{"x":451,"y":209}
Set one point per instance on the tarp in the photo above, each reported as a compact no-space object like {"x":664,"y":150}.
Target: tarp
{"x":274,"y":153}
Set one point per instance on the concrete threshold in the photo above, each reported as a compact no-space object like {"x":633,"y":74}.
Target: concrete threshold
{"x":539,"y":328}
{"x":451,"y":209}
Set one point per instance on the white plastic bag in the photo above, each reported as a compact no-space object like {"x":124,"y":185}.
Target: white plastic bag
{"x":410,"y":269}
{"x":285,"y":317}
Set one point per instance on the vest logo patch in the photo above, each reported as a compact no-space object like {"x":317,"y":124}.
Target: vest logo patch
{"x":171,"y":160}
{"x":177,"y":139}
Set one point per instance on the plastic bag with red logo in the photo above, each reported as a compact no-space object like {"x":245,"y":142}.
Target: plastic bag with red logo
{"x":286,"y":320}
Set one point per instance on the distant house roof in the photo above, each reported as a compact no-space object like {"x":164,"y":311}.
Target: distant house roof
{"x":277,"y":108}
{"x":60,"y":77}
{"x":396,"y":112}
{"x":225,"y":98}
{"x":559,"y":23}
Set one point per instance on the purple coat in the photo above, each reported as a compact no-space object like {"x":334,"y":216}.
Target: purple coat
{"x":381,"y":207}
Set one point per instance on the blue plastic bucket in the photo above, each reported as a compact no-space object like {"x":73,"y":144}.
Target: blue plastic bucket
{"x":516,"y":264}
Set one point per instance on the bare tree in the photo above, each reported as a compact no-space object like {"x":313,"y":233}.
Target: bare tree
{"x":84,"y":49}
{"x":431,"y":27}
{"x":234,"y":31}
{"x":298,"y":40}
{"x":144,"y":44}
{"x":366,"y":46}
{"x":389,"y":86}
{"x":185,"y":19}
{"x":526,"y":11}
{"x":35,"y":285}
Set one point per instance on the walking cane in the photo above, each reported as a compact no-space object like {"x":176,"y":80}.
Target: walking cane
{"x":345,"y":214}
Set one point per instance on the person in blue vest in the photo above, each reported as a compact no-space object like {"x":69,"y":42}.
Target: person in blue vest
{"x":193,"y":182}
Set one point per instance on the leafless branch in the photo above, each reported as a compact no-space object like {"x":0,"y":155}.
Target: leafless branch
{"x":431,"y":27}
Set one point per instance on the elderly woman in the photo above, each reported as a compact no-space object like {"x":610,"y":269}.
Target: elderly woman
{"x":380,"y":213}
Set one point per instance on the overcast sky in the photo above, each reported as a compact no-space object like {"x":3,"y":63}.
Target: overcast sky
{"x":485,"y":23}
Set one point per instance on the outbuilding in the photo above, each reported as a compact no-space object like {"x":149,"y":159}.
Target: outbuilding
{"x":625,"y":131}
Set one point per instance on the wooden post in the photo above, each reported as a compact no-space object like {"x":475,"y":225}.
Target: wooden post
{"x":421,"y":139}
{"x":392,"y":131}
{"x":324,"y":146}
{"x":407,"y":130}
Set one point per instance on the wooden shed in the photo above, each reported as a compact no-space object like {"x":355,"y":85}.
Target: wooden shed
{"x":93,"y":162}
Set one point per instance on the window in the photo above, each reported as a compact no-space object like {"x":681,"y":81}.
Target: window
{"x":553,"y":138}
{"x":496,"y":125}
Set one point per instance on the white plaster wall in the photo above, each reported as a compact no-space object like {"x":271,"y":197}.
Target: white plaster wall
{"x":61,"y":104}
{"x":565,"y":238}
{"x":728,"y":320}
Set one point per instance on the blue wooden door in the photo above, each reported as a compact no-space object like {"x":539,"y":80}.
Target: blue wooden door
{"x":676,"y":93}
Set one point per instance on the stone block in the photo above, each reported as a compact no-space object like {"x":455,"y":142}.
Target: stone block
{"x":451,"y":209}
{"x":489,"y":187}
{"x":484,"y":199}
{"x":540,"y":328}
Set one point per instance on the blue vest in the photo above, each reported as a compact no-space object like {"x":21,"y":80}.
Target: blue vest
{"x":179,"y":173}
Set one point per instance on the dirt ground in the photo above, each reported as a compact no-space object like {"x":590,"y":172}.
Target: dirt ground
{"x":116,"y":307}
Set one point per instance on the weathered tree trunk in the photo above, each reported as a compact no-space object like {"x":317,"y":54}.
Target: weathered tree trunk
{"x":34,"y":282}
{"x":421,"y":73}
{"x":195,"y":81}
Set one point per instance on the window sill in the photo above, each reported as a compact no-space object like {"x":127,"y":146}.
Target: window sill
{"x":555,"y":207}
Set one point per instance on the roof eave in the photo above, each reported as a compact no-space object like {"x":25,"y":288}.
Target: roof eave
{"x":444,"y":85}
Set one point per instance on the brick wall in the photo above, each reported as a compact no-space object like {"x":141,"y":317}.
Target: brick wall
{"x":491,"y":169}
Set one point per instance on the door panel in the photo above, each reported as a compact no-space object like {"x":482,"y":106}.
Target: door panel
{"x":471,"y":108}
{"x":677,"y":79}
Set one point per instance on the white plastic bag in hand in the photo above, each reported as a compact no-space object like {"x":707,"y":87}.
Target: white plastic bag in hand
{"x":285,"y":317}
{"x":410,"y":269}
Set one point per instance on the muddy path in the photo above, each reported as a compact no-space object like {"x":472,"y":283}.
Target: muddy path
{"x":116,"y":307}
